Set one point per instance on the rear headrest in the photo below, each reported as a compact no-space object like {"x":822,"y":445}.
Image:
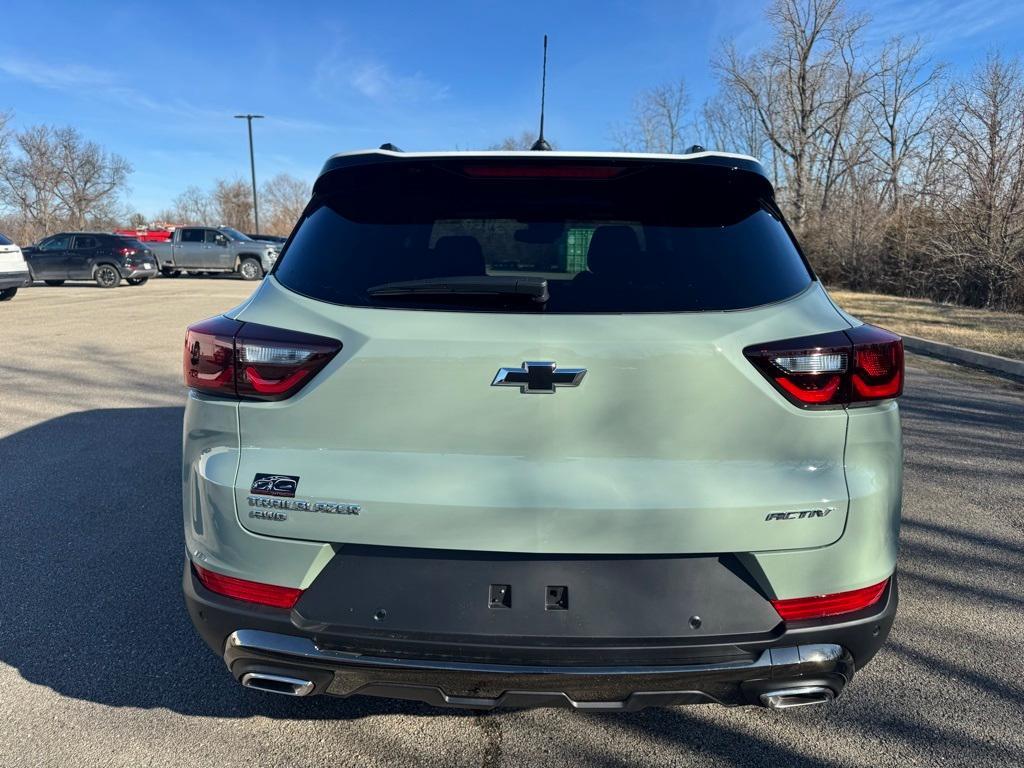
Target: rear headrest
{"x":459,"y":255}
{"x":614,"y":251}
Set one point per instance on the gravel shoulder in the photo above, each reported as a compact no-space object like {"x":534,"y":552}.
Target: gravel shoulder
{"x":983,"y":330}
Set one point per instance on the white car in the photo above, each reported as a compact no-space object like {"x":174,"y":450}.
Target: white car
{"x":13,"y":269}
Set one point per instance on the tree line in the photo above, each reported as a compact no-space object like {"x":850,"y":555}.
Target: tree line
{"x":281,"y":201}
{"x":896,"y":176}
{"x":54,"y":179}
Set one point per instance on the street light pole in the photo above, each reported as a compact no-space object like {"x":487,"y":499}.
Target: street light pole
{"x":252,"y":167}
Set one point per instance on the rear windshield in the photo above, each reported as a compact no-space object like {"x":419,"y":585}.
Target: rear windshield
{"x":609,"y":239}
{"x":5,"y":241}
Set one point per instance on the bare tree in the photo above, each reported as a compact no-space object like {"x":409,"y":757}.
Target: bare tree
{"x":28,"y":182}
{"x":90,"y":180}
{"x":193,"y":206}
{"x":232,"y":204}
{"x":283,"y":197}
{"x":5,"y":119}
{"x":52,"y":178}
{"x":658,"y":122}
{"x":982,"y":233}
{"x":725,"y":124}
{"x":802,"y":89}
{"x":904,"y":99}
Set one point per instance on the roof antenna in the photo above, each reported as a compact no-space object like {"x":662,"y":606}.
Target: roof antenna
{"x":541,"y":145}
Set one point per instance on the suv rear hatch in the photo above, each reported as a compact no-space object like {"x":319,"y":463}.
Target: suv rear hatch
{"x":656,"y":275}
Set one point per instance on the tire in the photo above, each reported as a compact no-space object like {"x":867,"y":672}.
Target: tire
{"x":137,"y":280}
{"x":54,"y":282}
{"x":170,"y":272}
{"x":107,"y":276}
{"x":250,"y":269}
{"x":6,"y":294}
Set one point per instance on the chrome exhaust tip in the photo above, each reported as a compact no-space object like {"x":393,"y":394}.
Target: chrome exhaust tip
{"x":286,"y":686}
{"x":788,"y":698}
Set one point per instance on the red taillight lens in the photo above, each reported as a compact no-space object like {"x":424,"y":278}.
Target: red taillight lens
{"x":834,"y":369}
{"x":877,"y":364}
{"x":127,"y":251}
{"x":209,"y":361}
{"x":252,"y":362}
{"x":820,"y":606}
{"x":250,"y":591}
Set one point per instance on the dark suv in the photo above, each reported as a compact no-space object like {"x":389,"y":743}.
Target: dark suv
{"x":95,"y":256}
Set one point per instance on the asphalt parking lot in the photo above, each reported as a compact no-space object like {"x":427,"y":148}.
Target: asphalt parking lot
{"x":100,"y":665}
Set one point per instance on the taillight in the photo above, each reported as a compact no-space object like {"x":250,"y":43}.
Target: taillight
{"x":250,"y":591}
{"x":832,"y":370}
{"x":252,"y":362}
{"x":126,"y":251}
{"x":877,"y":371}
{"x":835,"y":604}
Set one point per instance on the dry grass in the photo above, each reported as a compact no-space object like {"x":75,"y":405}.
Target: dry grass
{"x":999,"y":333}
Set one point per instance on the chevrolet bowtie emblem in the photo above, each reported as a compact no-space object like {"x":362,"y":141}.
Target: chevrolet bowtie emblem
{"x":538,"y":378}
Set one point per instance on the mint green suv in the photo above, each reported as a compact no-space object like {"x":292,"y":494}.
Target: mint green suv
{"x":542,"y":428}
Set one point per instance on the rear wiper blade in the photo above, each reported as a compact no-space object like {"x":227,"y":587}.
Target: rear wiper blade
{"x":532,"y":288}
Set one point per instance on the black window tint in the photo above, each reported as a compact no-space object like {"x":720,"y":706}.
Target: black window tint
{"x":5,"y":241}
{"x":86,"y":242}
{"x":56,"y":243}
{"x":668,"y":238}
{"x":191,"y":235}
{"x":212,"y":235}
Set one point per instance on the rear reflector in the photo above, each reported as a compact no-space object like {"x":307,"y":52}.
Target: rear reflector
{"x":252,"y":362}
{"x":835,"y":369}
{"x":249,"y":591}
{"x":829,"y":605}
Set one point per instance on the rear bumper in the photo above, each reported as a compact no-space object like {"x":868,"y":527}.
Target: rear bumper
{"x":577,"y":671}
{"x":15,"y":279}
{"x":252,"y":654}
{"x":130,"y":272}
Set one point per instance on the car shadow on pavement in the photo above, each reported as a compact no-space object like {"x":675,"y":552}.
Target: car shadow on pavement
{"x":91,"y":567}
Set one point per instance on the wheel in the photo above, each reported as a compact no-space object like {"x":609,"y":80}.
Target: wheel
{"x":250,"y":269}
{"x":137,"y":280}
{"x":6,"y":294}
{"x":170,"y":272}
{"x":54,"y":282}
{"x":107,"y":276}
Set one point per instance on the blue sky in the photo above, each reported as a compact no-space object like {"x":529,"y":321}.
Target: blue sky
{"x":159,"y":82}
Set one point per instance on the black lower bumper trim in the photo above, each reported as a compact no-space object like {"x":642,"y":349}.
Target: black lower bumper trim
{"x":487,"y":686}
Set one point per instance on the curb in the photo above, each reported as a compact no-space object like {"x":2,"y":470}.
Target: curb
{"x":1000,"y":366}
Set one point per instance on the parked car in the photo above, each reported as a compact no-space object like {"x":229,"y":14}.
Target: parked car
{"x":13,"y":269}
{"x":269,"y":238}
{"x":689,"y":492}
{"x":98,"y":256}
{"x":215,"y":249}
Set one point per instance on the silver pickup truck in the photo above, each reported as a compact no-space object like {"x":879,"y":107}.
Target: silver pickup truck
{"x":214,"y":249}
